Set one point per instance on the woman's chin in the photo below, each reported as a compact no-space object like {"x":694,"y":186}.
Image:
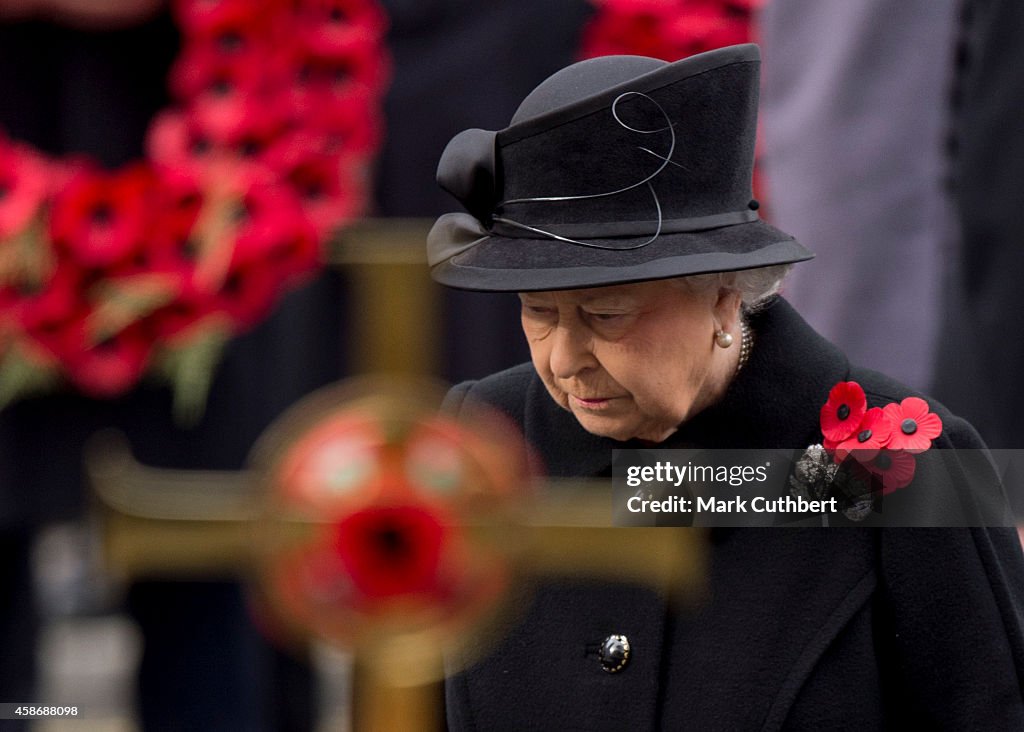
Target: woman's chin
{"x":600,"y":424}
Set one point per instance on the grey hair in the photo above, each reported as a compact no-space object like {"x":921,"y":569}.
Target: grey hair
{"x":756,"y":287}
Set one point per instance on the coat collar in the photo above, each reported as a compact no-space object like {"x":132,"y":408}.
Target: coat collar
{"x":773,"y":403}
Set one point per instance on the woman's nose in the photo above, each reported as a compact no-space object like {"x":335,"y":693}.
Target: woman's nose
{"x":570,"y":351}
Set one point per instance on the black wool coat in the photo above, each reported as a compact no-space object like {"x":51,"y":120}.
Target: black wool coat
{"x":802,"y":628}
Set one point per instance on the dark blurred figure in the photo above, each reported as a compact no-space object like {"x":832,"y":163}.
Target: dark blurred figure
{"x":460,"y":64}
{"x":854,"y":111}
{"x":981,"y":356}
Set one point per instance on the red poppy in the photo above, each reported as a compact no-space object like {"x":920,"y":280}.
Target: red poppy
{"x":180,"y":142}
{"x":108,"y":367}
{"x":351,"y":128}
{"x":871,"y":435}
{"x":392,"y":551}
{"x":244,"y":129}
{"x":227,"y":22}
{"x":356,"y":69}
{"x":175,"y":140}
{"x":101,"y":219}
{"x":174,"y":323}
{"x":895,"y":468}
{"x":296,"y":252}
{"x":329,"y":27}
{"x":220,"y":89}
{"x":173,"y":320}
{"x":23,"y":187}
{"x":176,"y":202}
{"x":259,"y":126}
{"x":842,"y":413}
{"x":187,"y":305}
{"x":202,"y":69}
{"x":41,"y":310}
{"x":914,"y":426}
{"x":328,"y":186}
{"x":275,"y":234}
{"x":246,"y":295}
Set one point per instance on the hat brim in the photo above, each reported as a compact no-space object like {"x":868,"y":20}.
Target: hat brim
{"x":512,"y":264}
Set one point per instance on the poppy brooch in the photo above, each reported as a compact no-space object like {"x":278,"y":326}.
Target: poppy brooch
{"x":864,"y":452}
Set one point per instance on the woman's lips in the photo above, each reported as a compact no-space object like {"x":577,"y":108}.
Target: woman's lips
{"x":590,"y":403}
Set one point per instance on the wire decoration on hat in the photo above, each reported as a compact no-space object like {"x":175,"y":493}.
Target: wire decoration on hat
{"x":666,"y":160}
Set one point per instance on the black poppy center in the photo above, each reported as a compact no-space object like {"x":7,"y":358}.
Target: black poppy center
{"x":180,"y":310}
{"x":190,"y":200}
{"x":233,"y":284}
{"x":189,"y":249}
{"x":50,"y":326}
{"x":392,"y":543}
{"x":102,"y":214}
{"x":908,"y":426}
{"x":883,"y":461}
{"x":240,"y":213}
{"x":28,"y":288}
{"x":230,"y":41}
{"x":3,"y":191}
{"x":843,"y":412}
{"x":107,"y":345}
{"x":250,"y":147}
{"x":340,"y":74}
{"x":864,"y":436}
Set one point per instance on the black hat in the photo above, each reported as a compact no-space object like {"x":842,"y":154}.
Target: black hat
{"x":616,"y":169}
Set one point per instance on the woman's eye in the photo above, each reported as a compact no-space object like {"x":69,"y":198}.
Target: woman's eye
{"x":538,"y":310}
{"x":606,"y":317}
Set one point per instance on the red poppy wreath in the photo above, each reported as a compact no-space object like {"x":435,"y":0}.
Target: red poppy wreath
{"x":667,"y":29}
{"x":105,"y":275}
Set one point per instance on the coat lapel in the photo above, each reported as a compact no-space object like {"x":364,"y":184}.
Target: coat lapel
{"x":779,"y":598}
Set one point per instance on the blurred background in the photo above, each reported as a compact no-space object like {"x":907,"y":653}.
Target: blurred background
{"x":890,"y":145}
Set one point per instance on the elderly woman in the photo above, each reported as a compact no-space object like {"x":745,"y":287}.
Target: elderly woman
{"x":618,"y":205}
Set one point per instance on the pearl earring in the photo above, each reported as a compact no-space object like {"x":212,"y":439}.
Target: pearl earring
{"x":723,"y":339}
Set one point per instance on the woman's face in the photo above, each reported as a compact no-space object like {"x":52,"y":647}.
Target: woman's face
{"x":631,"y":361}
